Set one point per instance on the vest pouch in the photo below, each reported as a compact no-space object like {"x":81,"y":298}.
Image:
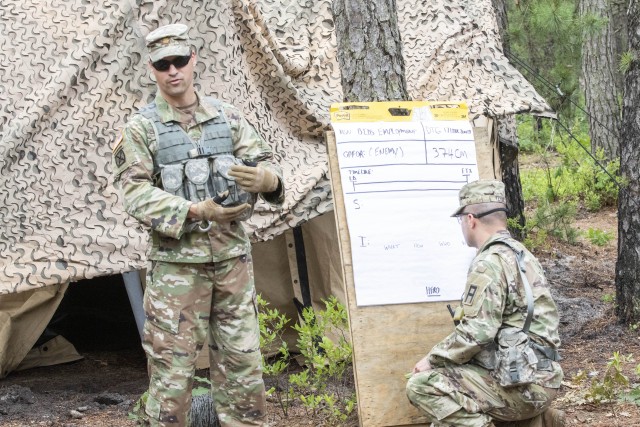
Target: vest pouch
{"x":222,"y":181}
{"x":516,"y":362}
{"x":197,"y":173}
{"x":172,"y":177}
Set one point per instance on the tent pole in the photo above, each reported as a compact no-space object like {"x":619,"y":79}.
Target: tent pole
{"x":134,"y":291}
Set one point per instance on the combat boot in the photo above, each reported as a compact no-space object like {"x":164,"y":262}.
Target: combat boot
{"x":549,"y":418}
{"x":553,"y":418}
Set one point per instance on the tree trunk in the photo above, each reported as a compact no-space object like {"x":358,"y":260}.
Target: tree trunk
{"x":500,"y":9}
{"x":369,"y":50}
{"x":618,"y":21}
{"x":628,"y":265}
{"x":600,"y":75}
{"x":508,"y":143}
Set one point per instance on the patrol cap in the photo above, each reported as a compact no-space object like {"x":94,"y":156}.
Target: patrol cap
{"x":169,"y":40}
{"x":482,"y":191}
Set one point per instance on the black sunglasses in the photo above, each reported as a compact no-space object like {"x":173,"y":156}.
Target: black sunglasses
{"x":165,"y":64}
{"x":480,"y":215}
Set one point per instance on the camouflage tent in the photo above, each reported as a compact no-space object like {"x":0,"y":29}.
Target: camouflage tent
{"x":74,"y":71}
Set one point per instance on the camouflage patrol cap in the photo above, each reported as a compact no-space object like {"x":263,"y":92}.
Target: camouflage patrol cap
{"x":482,"y":191}
{"x":169,"y":40}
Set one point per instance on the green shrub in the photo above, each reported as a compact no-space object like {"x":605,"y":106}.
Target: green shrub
{"x":533,"y":134}
{"x":568,"y":179}
{"x":612,"y":384}
{"x":324,"y":385}
{"x":608,"y":298}
{"x":594,"y":389}
{"x":551,"y":220}
{"x":275,"y":353}
{"x":599,"y":237}
{"x":569,"y":171}
{"x":272,"y":326}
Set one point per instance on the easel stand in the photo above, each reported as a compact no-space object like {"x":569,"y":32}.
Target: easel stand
{"x":387,"y":340}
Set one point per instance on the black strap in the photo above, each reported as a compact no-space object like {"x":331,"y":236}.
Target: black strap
{"x":527,"y":289}
{"x":480,"y":215}
{"x":303,"y":274}
{"x":548,"y":352}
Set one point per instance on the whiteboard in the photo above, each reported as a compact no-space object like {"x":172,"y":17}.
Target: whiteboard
{"x":400,"y":182}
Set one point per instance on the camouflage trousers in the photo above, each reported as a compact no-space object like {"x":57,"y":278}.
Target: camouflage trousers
{"x":185,"y":302}
{"x":467,"y":396}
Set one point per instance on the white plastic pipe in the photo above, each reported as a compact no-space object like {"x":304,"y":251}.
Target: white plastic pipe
{"x":134,"y":290}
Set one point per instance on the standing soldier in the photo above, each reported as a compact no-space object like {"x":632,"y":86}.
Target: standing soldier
{"x":506,"y":302}
{"x":190,"y":167}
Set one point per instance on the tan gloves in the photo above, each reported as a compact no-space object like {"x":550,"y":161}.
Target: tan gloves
{"x":209,"y":210}
{"x":254,"y":179}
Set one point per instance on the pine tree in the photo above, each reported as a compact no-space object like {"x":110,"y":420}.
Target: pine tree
{"x":508,"y":142}
{"x":602,"y":85}
{"x":546,"y":35}
{"x":370,"y":50}
{"x":628,"y":264}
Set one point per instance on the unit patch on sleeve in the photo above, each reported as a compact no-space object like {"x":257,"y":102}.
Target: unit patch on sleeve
{"x":119,"y":157}
{"x":471,"y":294}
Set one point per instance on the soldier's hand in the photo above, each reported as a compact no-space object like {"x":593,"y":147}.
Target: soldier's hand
{"x":209,"y":210}
{"x":254,"y":179}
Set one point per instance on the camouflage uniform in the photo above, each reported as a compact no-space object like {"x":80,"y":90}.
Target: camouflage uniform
{"x":457,"y":390}
{"x":198,"y":281}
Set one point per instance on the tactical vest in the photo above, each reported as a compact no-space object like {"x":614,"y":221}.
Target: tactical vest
{"x":196,"y":170}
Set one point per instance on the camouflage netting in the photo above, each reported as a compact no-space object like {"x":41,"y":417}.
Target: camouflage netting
{"x":73,"y":72}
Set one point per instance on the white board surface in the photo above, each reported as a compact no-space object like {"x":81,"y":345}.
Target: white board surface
{"x":400,"y":184}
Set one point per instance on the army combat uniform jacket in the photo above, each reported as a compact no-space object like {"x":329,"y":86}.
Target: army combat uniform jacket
{"x":494,"y":298}
{"x":166,"y":214}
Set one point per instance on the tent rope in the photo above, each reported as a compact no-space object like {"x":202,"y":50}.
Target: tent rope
{"x":556,"y":88}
